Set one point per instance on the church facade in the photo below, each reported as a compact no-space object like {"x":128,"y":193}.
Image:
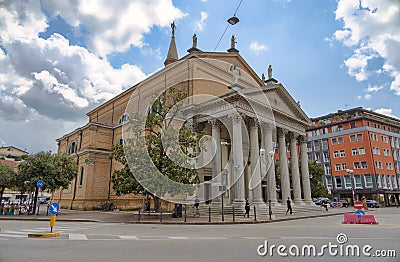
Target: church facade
{"x":253,"y":122}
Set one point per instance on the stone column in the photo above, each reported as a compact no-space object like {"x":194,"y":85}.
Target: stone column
{"x":216,"y":161}
{"x":238,"y":169}
{"x":294,"y":164}
{"x":305,"y":176}
{"x":268,"y":130}
{"x":255,"y":185}
{"x":283,"y":165}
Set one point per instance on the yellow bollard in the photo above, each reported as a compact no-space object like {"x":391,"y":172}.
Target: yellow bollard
{"x":52,"y":222}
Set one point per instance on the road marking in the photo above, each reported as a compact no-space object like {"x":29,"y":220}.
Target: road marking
{"x":128,"y":237}
{"x":10,"y":235}
{"x":177,"y":238}
{"x":73,"y":236}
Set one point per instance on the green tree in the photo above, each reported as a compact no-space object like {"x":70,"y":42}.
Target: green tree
{"x":144,"y":154}
{"x":56,"y":171}
{"x":7,"y":178}
{"x":318,"y":188}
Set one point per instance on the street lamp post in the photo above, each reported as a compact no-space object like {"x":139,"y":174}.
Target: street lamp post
{"x":264,"y":159}
{"x":350,"y":172}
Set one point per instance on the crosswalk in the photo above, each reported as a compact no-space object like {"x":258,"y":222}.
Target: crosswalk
{"x":72,"y":236}
{"x":65,"y":230}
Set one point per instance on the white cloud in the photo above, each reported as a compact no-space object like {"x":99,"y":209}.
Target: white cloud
{"x":257,"y":47}
{"x":368,"y":96}
{"x":200,"y":24}
{"x":372,"y":29}
{"x":374,"y":88}
{"x":385,"y":111}
{"x":114,"y":26}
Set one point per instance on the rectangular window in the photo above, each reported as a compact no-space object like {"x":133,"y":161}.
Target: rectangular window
{"x":361,"y":151}
{"x":317,"y":146}
{"x":335,"y":154}
{"x":337,"y":167}
{"x":352,"y":124}
{"x":379,"y":181}
{"x":359,"y":137}
{"x":353,"y":138}
{"x":334,"y":128}
{"x":389,"y":166}
{"x":344,"y":166}
{"x":342,"y":153}
{"x":364,"y":165}
{"x":329,"y":182}
{"x":354,"y":151}
{"x":357,"y":181}
{"x":357,"y":165}
{"x":328,"y":170}
{"x":394,"y":182}
{"x":340,"y":140}
{"x":384,"y":139}
{"x":326,"y":157}
{"x":334,"y":141}
{"x":81,"y":177}
{"x":374,"y":137}
{"x":376,"y":151}
{"x":338,"y":182}
{"x":378,"y":164}
{"x":386,"y":152}
{"x":340,"y":128}
{"x":368,"y":181}
{"x":384,"y":181}
{"x":324,"y":144}
{"x":347,"y":180}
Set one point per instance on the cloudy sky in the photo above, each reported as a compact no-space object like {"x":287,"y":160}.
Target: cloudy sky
{"x":60,"y":59}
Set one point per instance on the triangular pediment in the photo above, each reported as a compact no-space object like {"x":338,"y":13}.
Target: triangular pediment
{"x":283,"y":103}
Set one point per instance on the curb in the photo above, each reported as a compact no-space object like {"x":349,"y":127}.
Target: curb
{"x":44,"y":235}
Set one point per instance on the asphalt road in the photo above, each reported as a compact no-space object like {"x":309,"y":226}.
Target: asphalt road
{"x":83,"y":241}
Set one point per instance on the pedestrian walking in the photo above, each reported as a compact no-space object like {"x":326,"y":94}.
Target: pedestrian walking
{"x":247,"y":209}
{"x":289,"y":206}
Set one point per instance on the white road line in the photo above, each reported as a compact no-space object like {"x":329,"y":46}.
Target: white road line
{"x":128,"y":237}
{"x":10,"y":235}
{"x":77,"y":237}
{"x":178,"y":238}
{"x":15,"y":232}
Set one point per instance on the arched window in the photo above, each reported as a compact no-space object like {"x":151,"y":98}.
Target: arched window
{"x":121,"y":141}
{"x":123,"y":119}
{"x":72,"y":148}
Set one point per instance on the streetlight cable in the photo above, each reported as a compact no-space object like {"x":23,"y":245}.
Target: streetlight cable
{"x":234,"y":14}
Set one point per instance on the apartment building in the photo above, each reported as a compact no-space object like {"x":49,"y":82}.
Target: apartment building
{"x":360,"y":153}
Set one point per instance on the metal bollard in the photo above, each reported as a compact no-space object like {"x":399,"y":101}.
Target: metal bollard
{"x":233,"y":213}
{"x":269,"y":210}
{"x":255,"y":214}
{"x":223,"y":215}
{"x":185,"y":214}
{"x":139,"y":216}
{"x":160,"y":214}
{"x":209,"y":214}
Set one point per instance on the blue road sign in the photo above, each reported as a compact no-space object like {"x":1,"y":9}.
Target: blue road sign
{"x":359,"y":213}
{"x":54,"y":208}
{"x":39,"y":183}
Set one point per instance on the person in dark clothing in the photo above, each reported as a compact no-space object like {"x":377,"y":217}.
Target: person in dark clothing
{"x":247,"y":209}
{"x":289,"y":206}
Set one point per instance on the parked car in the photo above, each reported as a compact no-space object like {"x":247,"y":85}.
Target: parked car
{"x":372,"y":203}
{"x":43,"y":200}
{"x":321,"y":201}
{"x":344,"y":202}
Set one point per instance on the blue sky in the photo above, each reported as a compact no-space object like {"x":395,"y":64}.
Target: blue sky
{"x":60,"y":59}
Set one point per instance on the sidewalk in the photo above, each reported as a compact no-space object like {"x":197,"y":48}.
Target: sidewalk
{"x":132,"y":217}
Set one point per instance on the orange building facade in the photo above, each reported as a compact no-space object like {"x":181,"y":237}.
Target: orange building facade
{"x":359,"y":151}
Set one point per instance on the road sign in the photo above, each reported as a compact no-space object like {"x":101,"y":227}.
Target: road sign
{"x":39,"y":183}
{"x":358,"y":205}
{"x":54,"y":208}
{"x":359,"y":213}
